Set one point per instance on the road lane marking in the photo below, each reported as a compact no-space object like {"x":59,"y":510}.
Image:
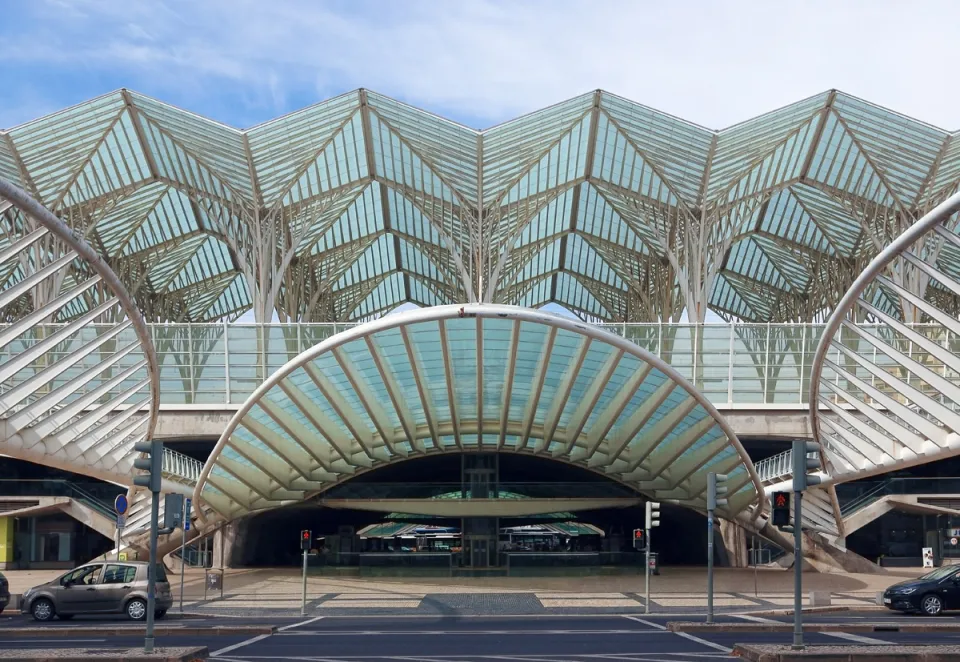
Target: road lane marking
{"x":392,"y":633}
{"x":704,"y":642}
{"x":295,"y":625}
{"x":655,"y":626}
{"x":54,"y":640}
{"x":756,"y":619}
{"x":247,"y":642}
{"x":857,"y":638}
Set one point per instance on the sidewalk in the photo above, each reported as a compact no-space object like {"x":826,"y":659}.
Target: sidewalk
{"x":280,"y":588}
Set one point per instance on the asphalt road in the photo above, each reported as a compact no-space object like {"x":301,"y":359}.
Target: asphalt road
{"x":471,"y":639}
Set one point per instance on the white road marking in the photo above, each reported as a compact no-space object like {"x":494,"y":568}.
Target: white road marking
{"x":432,"y":633}
{"x":655,"y":626}
{"x":857,"y":638}
{"x":704,"y":642}
{"x":47,"y":641}
{"x":756,"y":619}
{"x":246,"y":642}
{"x":296,"y":625}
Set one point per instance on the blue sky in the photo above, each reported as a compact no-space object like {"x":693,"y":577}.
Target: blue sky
{"x":479,"y":61}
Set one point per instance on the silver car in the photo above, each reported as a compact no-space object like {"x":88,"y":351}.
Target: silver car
{"x":118,"y":587}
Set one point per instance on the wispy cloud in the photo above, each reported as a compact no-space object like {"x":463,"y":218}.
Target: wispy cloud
{"x":483,"y":61}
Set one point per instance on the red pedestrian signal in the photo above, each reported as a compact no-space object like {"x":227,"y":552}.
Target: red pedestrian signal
{"x":781,"y":508}
{"x":638,"y":539}
{"x":305,"y":538}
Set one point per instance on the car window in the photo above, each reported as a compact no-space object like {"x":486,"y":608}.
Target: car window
{"x":119,"y":574}
{"x":86,"y":575}
{"x":161,"y":573}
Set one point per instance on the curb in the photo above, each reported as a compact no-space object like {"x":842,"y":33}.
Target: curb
{"x":678,"y":626}
{"x":817,"y":610}
{"x":134,"y":631}
{"x":770,"y":653}
{"x":163,"y":654}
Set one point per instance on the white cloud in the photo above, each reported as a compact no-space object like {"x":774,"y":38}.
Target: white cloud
{"x":715,"y":63}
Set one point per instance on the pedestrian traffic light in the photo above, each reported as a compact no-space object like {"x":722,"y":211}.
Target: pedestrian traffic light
{"x":802,"y":463}
{"x":653,"y":514}
{"x":781,"y":508}
{"x":305,"y":538}
{"x":152,"y":464}
{"x":638,"y":539}
{"x":716,"y":491}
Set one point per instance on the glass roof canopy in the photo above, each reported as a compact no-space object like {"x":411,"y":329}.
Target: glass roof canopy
{"x":473,"y":378}
{"x":343,"y":210}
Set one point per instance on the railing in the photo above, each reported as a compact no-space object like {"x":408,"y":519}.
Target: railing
{"x":181,"y":467}
{"x":871,"y":492}
{"x":732,"y":364}
{"x":778,"y":466}
{"x":97,"y":496}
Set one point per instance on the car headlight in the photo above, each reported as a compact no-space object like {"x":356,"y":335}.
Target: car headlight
{"x":907,"y":591}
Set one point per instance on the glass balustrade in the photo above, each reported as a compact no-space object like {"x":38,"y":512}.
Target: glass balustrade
{"x":732,"y":364}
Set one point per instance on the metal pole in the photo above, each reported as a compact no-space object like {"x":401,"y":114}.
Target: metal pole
{"x":183,"y":557}
{"x":303,"y":593}
{"x":119,"y":534}
{"x":756,"y":581}
{"x":709,"y":566}
{"x":152,"y":572}
{"x":797,"y":572}
{"x":646,"y":583}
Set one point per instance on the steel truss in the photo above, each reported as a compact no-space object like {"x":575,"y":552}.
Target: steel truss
{"x":78,"y":386}
{"x":346,"y":209}
{"x":885,"y":397}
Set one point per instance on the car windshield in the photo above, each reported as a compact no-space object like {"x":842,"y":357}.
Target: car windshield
{"x":941,"y":573}
{"x":161,"y":573}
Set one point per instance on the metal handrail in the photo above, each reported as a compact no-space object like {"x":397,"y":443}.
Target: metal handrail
{"x":181,"y":466}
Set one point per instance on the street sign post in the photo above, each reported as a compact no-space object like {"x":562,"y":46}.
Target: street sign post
{"x":120,"y":505}
{"x":183,"y":546}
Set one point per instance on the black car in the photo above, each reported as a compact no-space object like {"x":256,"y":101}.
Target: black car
{"x":4,"y":593}
{"x":930,"y":594}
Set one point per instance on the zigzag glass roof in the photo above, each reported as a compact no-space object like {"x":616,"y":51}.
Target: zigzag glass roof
{"x":345,"y":209}
{"x":450,"y":379}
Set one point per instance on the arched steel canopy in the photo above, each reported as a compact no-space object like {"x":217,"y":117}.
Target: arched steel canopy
{"x":473,"y":378}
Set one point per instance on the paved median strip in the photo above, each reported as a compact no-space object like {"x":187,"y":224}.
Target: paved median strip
{"x":680,"y":626}
{"x":133,"y":631}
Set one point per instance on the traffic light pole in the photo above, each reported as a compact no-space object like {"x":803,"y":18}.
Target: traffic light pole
{"x":152,"y":571}
{"x":646,"y":584}
{"x":797,"y":571}
{"x":710,"y":566}
{"x":303,"y":592}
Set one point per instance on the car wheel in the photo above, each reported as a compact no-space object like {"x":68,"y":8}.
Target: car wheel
{"x":136,"y":609}
{"x":160,"y":613}
{"x":932,"y":605}
{"x":42,"y":610}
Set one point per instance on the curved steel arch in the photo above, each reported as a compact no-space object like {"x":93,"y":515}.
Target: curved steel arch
{"x":897,"y":411}
{"x":66,"y":400}
{"x":382,"y":392}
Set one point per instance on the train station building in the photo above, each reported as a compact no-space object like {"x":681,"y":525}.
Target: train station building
{"x":450,"y":350}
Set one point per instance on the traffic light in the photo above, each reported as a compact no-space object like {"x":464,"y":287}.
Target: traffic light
{"x":653,"y":514}
{"x":716,"y":491}
{"x":152,"y":464}
{"x":781,"y":509}
{"x":802,"y":464}
{"x":638,"y":540}
{"x":306,"y":537}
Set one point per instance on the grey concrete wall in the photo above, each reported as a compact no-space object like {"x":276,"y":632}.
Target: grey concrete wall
{"x":787,"y":423}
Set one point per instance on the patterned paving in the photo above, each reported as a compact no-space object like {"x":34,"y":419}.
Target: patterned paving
{"x":497,"y":603}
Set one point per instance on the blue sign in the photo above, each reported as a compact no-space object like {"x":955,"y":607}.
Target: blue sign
{"x":120,"y":504}
{"x":186,"y":513}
